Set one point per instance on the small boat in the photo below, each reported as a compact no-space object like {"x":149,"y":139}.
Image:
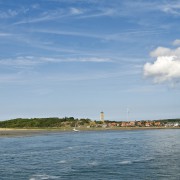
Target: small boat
{"x":76,"y":125}
{"x":74,"y":129}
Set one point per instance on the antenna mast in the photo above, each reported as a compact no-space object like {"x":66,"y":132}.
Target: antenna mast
{"x":127,"y":111}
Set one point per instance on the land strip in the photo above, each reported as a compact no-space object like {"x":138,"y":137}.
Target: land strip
{"x":14,"y":132}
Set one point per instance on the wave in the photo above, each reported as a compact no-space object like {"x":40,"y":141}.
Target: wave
{"x":125,"y":162}
{"x":143,"y":160}
{"x":93,"y":163}
{"x":149,"y":159}
{"x":43,"y":177}
{"x":135,"y":161}
{"x":62,"y":162}
{"x":70,"y":147}
{"x":79,"y":147}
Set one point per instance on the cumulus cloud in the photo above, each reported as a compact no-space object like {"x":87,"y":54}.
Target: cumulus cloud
{"x":166,"y":67}
{"x":163,"y":51}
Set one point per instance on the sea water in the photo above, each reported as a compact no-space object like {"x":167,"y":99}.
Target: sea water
{"x":101,"y":155}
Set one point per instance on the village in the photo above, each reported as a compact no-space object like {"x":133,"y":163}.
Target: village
{"x":143,"y":123}
{"x":107,"y":124}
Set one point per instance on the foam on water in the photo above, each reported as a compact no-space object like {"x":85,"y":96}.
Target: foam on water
{"x":149,"y":159}
{"x":125,"y":162}
{"x":137,"y":161}
{"x":62,"y":162}
{"x":93,"y":163}
{"x":70,"y":147}
{"x":43,"y":177}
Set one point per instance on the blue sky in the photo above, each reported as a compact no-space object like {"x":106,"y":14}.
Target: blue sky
{"x":77,"y":58}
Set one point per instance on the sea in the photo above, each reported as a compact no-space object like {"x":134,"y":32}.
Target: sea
{"x":92,"y":155}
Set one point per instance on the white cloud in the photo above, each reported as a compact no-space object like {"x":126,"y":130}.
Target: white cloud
{"x":76,"y":11}
{"x":19,"y":61}
{"x":81,"y":59}
{"x":8,"y":14}
{"x":173,"y":8}
{"x":52,"y":15}
{"x":162,"y":51}
{"x":100,"y":13}
{"x":4,"y":34}
{"x":28,"y":61}
{"x":11,"y":13}
{"x":166,"y":67}
{"x":176,"y":42}
{"x":35,"y":6}
{"x":94,"y":59}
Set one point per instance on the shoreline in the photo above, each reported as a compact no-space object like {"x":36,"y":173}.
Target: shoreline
{"x":10,"y":132}
{"x":18,"y":132}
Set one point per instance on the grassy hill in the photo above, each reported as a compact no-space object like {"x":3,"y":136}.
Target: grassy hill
{"x":43,"y":122}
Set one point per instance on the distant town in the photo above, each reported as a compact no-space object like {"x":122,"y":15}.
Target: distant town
{"x":159,"y":123}
{"x":142,"y":123}
{"x":71,"y":122}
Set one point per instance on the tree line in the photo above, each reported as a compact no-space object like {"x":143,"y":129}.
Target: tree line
{"x":43,"y":122}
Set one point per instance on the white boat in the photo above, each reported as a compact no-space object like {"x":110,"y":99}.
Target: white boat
{"x":76,"y":130}
{"x":76,"y":125}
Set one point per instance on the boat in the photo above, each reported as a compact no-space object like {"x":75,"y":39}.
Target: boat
{"x":76,"y":130}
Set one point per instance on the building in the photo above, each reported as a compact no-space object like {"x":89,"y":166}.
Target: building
{"x":157,"y":123}
{"x":102,"y":117}
{"x":128,"y":124}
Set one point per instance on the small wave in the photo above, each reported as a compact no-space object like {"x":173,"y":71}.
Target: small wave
{"x":70,"y":147}
{"x":149,"y":159}
{"x":93,"y":163}
{"x":43,"y":177}
{"x":62,"y":162}
{"x":142,"y":160}
{"x":125,"y":162}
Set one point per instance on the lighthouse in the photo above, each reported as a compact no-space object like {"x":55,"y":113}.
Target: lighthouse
{"x":102,"y":116}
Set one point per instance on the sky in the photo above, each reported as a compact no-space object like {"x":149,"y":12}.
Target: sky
{"x":80,"y":57}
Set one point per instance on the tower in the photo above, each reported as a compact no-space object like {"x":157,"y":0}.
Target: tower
{"x":102,"y":116}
